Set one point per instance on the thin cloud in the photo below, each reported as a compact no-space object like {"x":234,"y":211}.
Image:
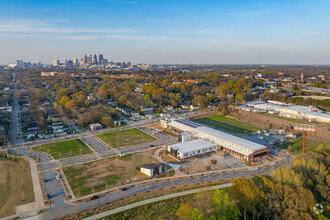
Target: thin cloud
{"x":122,"y":2}
{"x":302,"y":32}
{"x":18,"y":25}
{"x":245,"y":13}
{"x":158,"y":20}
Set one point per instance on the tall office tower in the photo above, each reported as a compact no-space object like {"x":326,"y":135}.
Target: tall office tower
{"x":85,"y":58}
{"x":75,"y":61}
{"x":123,"y":65}
{"x":302,"y":77}
{"x":128,"y":64}
{"x":56,"y":62}
{"x":95,"y":60}
{"x":100,"y":59}
{"x":89,"y":60}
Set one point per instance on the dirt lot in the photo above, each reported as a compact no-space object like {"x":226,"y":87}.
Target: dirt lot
{"x":269,"y":122}
{"x":170,"y":159}
{"x":216,"y":161}
{"x":16,"y":186}
{"x":96,"y":176}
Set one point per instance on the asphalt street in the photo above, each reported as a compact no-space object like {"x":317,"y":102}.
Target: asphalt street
{"x":53,"y":187}
{"x":15,"y":132}
{"x":57,"y":212}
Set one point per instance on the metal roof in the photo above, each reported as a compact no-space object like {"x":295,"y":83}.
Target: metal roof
{"x":190,"y":146}
{"x":237,"y":144}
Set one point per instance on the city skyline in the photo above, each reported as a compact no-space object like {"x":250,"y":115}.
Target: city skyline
{"x":171,"y":32}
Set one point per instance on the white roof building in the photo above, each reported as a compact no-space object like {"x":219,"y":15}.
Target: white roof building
{"x":192,"y":148}
{"x":240,"y":147}
{"x":295,"y":111}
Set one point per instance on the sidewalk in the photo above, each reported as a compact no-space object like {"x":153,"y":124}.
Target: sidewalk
{"x":161,"y":198}
{"x":38,"y":204}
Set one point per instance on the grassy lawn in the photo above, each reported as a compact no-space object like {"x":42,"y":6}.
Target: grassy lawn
{"x":133,"y":174}
{"x":16,"y":186}
{"x":227,"y":124}
{"x":126,"y":137}
{"x":64,"y":149}
{"x":297,"y":145}
{"x":95,"y":176}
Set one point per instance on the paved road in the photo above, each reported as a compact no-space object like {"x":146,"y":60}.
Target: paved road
{"x":161,"y":198}
{"x":15,"y":132}
{"x":59,"y":211}
{"x":52,"y":186}
{"x":83,"y":134}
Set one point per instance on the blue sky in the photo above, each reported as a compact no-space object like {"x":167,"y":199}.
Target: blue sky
{"x":167,"y":31}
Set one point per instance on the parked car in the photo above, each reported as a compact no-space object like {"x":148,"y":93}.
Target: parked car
{"x":58,"y":177}
{"x":124,"y":189}
{"x":94,"y":197}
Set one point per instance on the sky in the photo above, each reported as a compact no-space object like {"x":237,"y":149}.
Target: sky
{"x":167,"y":31}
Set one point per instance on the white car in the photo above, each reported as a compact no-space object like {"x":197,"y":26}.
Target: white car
{"x":58,"y":177}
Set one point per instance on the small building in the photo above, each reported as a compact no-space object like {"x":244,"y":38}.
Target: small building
{"x":147,"y":110}
{"x":125,"y":110}
{"x":151,"y":169}
{"x":95,"y":127}
{"x":191,"y":148}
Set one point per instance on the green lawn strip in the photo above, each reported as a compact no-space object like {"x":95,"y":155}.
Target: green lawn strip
{"x":125,"y":137}
{"x":4,"y":183}
{"x":77,"y":179}
{"x":227,"y":124}
{"x":297,"y":145}
{"x":62,"y":149}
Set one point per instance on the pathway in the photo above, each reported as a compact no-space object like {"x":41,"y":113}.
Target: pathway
{"x":161,"y":198}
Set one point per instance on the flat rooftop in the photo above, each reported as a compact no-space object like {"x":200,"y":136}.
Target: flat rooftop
{"x":232,"y":142}
{"x":194,"y":145}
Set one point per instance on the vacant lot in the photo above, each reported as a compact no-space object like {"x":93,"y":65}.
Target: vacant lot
{"x":15,"y":186}
{"x":126,"y":137}
{"x":96,"y":176}
{"x":297,"y":145}
{"x":133,"y":174}
{"x":64,"y":149}
{"x":227,"y":124}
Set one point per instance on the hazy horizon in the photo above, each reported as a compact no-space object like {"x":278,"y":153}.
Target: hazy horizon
{"x":182,"y":32}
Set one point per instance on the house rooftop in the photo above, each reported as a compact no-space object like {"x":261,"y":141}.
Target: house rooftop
{"x":150,"y":165}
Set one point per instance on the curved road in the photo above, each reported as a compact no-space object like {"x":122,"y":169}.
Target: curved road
{"x":59,"y":209}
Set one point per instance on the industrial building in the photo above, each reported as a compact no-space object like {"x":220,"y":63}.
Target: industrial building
{"x":287,"y":110}
{"x":238,"y":147}
{"x":191,"y":148}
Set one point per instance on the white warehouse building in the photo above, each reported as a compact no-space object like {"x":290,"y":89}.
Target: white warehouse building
{"x":192,"y":148}
{"x":239,"y":147}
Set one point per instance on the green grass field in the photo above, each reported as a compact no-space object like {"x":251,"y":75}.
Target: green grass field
{"x":297,"y":145}
{"x":227,"y":124}
{"x":126,"y":137}
{"x":64,"y":149}
{"x":16,"y":186}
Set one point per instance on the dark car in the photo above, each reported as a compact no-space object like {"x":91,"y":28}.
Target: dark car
{"x":124,"y":189}
{"x":94,"y":197}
